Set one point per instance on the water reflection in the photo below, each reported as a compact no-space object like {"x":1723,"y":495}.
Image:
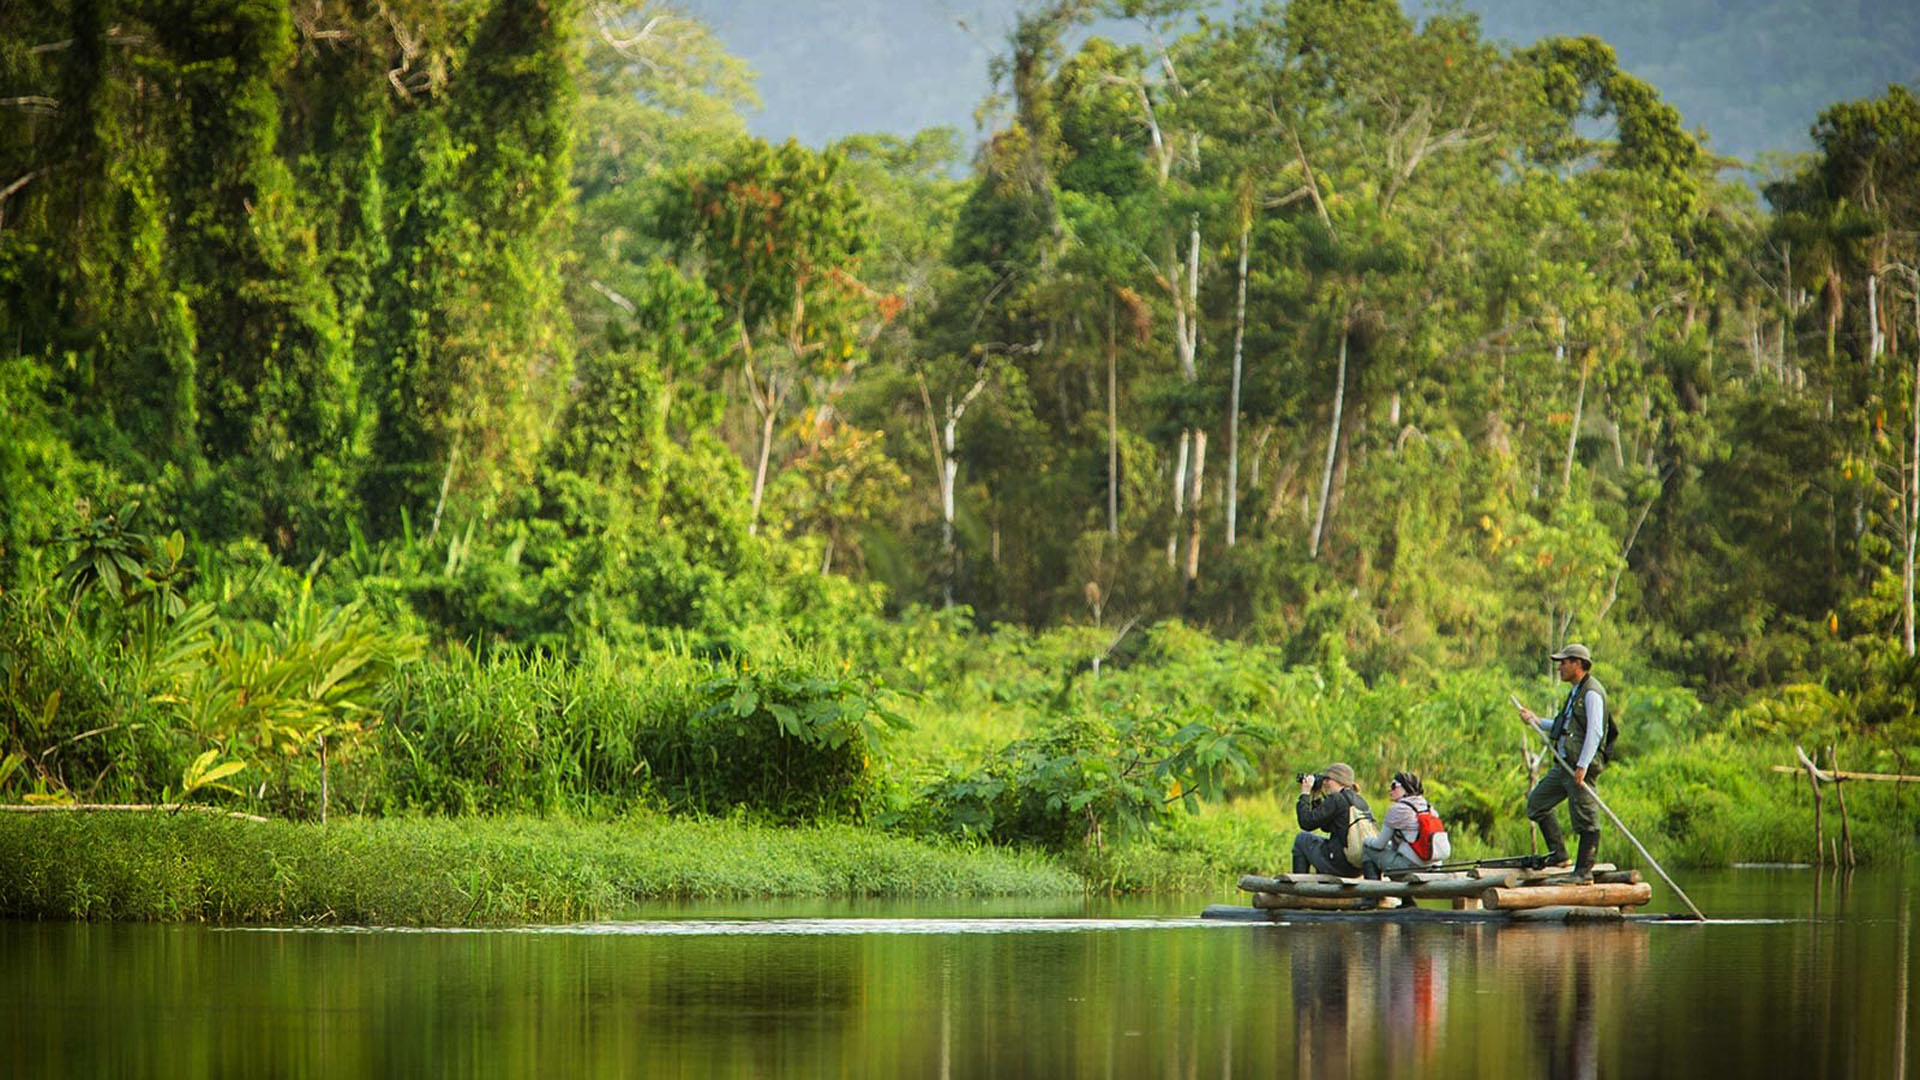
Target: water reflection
{"x":932,"y":995}
{"x":1560,"y":980}
{"x":1368,"y":990}
{"x":1333,"y":967}
{"x":1371,"y":1000}
{"x":1414,"y":996}
{"x":1900,"y":1009}
{"x":1363,"y":993}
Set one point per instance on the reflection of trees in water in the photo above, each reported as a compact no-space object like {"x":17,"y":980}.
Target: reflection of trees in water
{"x":1331,"y":970}
{"x":1560,"y":972}
{"x":1413,"y":993}
{"x":1360,"y":992}
{"x":1373,"y":999}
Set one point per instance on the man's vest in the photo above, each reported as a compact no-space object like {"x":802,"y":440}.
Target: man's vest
{"x":1569,"y":732}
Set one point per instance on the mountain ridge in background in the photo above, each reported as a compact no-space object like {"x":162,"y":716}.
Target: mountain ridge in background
{"x":1753,"y":76}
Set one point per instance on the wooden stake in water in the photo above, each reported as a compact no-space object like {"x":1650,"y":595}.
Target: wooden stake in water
{"x":1615,"y":818}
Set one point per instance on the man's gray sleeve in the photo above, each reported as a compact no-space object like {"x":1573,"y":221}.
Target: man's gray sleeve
{"x":1596,"y":723}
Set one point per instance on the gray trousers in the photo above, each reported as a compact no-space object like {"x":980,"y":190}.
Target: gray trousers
{"x":1320,"y":854}
{"x":1388,"y":860}
{"x":1558,"y":786}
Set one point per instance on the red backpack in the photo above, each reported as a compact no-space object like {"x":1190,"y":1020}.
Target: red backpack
{"x":1430,"y":842}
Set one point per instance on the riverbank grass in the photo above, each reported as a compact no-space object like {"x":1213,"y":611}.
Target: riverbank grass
{"x":465,"y":872}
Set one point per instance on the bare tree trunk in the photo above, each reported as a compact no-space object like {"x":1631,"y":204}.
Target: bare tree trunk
{"x":1613,"y":587}
{"x":1188,"y":352}
{"x":1179,"y":500}
{"x":768,"y":414}
{"x":1333,"y":445}
{"x":944,"y":436}
{"x":1233,"y":397}
{"x":1113,"y":426}
{"x":1913,"y":477}
{"x":1193,"y":511}
{"x":1876,"y":342}
{"x":1186,"y":343}
{"x":949,"y":438}
{"x":1281,"y":488}
{"x":1573,"y":434}
{"x":1833,"y":331}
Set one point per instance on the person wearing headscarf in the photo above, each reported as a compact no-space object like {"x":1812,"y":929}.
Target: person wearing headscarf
{"x":1392,"y":848}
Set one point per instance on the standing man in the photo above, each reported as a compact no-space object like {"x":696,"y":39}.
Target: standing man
{"x":1575,"y":734}
{"x":1331,"y":813}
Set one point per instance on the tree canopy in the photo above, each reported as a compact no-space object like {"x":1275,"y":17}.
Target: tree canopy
{"x":1317,"y":324}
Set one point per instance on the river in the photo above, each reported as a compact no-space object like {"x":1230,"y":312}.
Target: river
{"x":1797,"y":973}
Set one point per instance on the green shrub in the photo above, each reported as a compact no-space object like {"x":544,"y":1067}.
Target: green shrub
{"x":787,"y":738}
{"x":75,"y":722}
{"x":1118,"y":770}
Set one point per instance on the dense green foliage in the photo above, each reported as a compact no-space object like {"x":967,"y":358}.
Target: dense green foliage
{"x":444,"y":409}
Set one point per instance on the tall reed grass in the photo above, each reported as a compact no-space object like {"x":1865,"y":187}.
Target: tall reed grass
{"x":443,"y":872}
{"x":532,"y":735}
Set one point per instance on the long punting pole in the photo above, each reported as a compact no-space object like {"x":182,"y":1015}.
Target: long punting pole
{"x":1617,"y":823}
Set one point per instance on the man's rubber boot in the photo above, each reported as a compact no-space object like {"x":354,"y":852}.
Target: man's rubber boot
{"x":1583,"y":863}
{"x":1556,"y":844}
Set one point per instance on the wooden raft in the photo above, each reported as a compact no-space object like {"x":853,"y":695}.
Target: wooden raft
{"x":1526,"y":895}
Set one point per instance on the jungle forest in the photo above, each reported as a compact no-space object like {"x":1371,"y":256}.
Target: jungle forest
{"x":444,"y":420}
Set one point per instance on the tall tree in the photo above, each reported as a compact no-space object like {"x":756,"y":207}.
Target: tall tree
{"x":777,"y":234}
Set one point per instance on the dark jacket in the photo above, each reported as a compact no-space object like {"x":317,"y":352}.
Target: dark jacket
{"x":1329,"y":815}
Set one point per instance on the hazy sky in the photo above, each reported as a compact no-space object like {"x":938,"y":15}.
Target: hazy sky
{"x":828,"y":68}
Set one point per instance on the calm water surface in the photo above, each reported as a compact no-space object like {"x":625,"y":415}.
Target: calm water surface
{"x":1800,"y":974}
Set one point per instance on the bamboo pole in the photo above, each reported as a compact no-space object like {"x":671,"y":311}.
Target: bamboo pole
{"x":1621,"y":825}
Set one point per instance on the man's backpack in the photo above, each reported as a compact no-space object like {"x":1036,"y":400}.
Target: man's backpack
{"x":1607,"y":737}
{"x":1360,"y":829}
{"x":1430,"y":843}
